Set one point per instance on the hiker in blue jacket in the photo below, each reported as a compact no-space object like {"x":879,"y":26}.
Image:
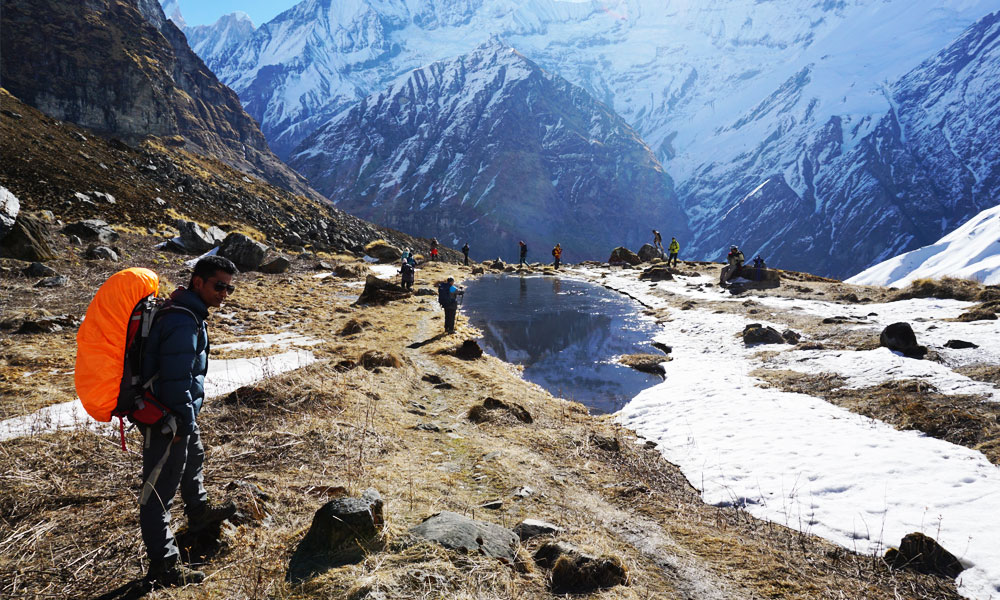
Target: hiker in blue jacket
{"x":176,"y":357}
{"x":448,"y":299}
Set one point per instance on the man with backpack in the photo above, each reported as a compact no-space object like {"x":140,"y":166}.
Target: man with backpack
{"x":175,"y":361}
{"x":674,"y":248}
{"x":465,"y":251}
{"x":448,"y":299}
{"x":556,"y":255}
{"x":522,"y":261}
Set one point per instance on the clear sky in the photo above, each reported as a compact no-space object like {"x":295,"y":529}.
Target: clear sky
{"x":206,"y":12}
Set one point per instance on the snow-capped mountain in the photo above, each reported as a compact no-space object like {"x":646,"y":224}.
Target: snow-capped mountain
{"x":970,"y":252}
{"x":491,"y":149}
{"x":738,"y":98}
{"x":219,"y":38}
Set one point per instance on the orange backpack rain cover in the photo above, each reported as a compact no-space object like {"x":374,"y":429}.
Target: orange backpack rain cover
{"x":100,"y":342}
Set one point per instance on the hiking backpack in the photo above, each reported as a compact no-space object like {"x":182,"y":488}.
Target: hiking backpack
{"x":444,"y":293}
{"x":111,"y":344}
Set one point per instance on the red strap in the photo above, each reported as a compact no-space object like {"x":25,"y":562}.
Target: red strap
{"x":121,"y":430}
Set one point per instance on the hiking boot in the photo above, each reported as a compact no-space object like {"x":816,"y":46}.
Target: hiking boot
{"x":209,"y":515}
{"x":171,"y":573}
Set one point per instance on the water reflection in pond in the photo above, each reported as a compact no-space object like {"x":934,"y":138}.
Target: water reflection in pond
{"x":566,"y":333}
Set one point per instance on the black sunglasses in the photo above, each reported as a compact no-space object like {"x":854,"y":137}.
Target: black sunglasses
{"x":219,"y":286}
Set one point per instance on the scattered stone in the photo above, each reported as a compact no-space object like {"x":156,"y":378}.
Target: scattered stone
{"x":92,"y":229}
{"x":53,"y":282}
{"x":383,"y":251}
{"x":432,"y":379}
{"x":646,"y":363}
{"x":293,"y":239}
{"x":688,"y":305}
{"x":530,"y":528}
{"x":492,"y":505}
{"x":755,"y":333}
{"x":574,"y":572}
{"x":493,"y":410}
{"x":458,"y":532}
{"x":378,"y":291}
{"x":346,"y":271}
{"x":101,"y":253}
{"x":469,"y":350}
{"x":605,"y":442}
{"x":790,"y":337}
{"x":656,"y":273}
{"x":278,"y":264}
{"x":478,"y":270}
{"x":49,"y":324}
{"x":959,"y":344}
{"x":342,"y":531}
{"x":245,"y":253}
{"x":425,"y":292}
{"x":498,"y":264}
{"x":353,"y":326}
{"x":899,"y":337}
{"x":623,"y":256}
{"x":849,"y":297}
{"x":37,"y":269}
{"x":29,"y":239}
{"x":662,"y":347}
{"x":378,"y":358}
{"x":649,"y":253}
{"x":195,"y":240}
{"x":74,"y":240}
{"x":977,"y":315}
{"x":524,"y":491}
{"x":427,"y":427}
{"x":9,"y":207}
{"x":923,"y":554}
{"x":810,"y":346}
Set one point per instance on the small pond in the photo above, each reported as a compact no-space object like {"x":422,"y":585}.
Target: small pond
{"x":566,"y":333}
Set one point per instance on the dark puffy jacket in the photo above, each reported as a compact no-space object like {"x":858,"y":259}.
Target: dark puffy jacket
{"x":177,"y":351}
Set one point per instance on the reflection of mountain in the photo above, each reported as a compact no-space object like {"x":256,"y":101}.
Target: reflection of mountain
{"x":545,"y":334}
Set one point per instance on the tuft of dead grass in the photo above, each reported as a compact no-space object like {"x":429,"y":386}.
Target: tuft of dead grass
{"x":943,"y":288}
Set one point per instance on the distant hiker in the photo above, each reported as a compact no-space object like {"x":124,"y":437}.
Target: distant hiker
{"x":448,"y":298}
{"x":176,"y":361}
{"x":658,"y":241}
{"x":434,"y":248}
{"x":465,"y":251}
{"x":406,"y":272}
{"x":674,"y":248}
{"x":522,"y":261}
{"x":735,"y":263}
{"x":758,"y":266}
{"x":557,"y":255}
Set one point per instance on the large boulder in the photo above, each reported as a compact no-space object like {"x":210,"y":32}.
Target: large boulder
{"x":195,"y":240}
{"x":92,"y":230}
{"x":657,"y":273}
{"x":458,"y":532}
{"x":383,"y":251}
{"x":9,"y":207}
{"x":623,"y":256}
{"x":899,"y":337}
{"x":755,"y":333}
{"x":29,"y":239}
{"x":342,"y":531}
{"x":924,"y":555}
{"x":648,"y":252}
{"x":245,"y":253}
{"x":378,"y":291}
{"x":278,"y":264}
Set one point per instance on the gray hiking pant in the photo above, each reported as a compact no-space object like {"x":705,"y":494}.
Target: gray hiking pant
{"x":182,"y":468}
{"x":449,"y":316}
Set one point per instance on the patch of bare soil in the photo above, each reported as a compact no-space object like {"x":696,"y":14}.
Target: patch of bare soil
{"x":907,"y":404}
{"x":286,"y":446}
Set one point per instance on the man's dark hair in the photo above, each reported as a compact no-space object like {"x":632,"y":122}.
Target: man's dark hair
{"x":209,"y":266}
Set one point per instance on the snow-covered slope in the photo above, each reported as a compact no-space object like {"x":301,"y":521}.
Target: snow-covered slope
{"x":489,"y":148}
{"x":221,"y":37}
{"x":730,"y":94}
{"x":972,"y":252}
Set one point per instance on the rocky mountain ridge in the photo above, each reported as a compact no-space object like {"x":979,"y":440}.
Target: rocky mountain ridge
{"x":491,"y":149}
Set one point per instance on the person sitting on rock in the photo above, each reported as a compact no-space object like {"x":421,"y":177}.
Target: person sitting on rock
{"x":735,"y":259}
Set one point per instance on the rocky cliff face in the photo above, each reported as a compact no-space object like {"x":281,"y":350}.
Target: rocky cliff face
{"x":121,"y":68}
{"x":489,"y":148}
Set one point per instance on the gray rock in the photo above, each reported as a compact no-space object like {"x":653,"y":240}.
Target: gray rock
{"x":196,"y":240}
{"x":342,"y":531}
{"x":790,"y":337}
{"x":101,"y":253}
{"x":924,"y":555}
{"x":293,"y":239}
{"x":53,"y":282}
{"x":28,"y":240}
{"x":93,"y":230}
{"x":458,"y":532}
{"x":959,"y":345}
{"x":623,"y":256}
{"x":245,"y":253}
{"x":530,"y":528}
{"x":425,"y":292}
{"x":755,"y":333}
{"x":657,"y":273}
{"x":574,"y":572}
{"x":648,"y":253}
{"x":278,"y":264}
{"x":37,"y":269}
{"x":74,"y":240}
{"x":9,"y":207}
{"x":51,"y":324}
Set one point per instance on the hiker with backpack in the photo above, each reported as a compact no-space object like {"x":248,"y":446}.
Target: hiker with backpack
{"x":175,"y":362}
{"x":735,"y":261}
{"x":434,"y":248}
{"x":658,"y":242}
{"x":448,"y":298}
{"x":406,"y":273}
{"x":465,"y":251}
{"x":556,"y":255}
{"x":522,"y":261}
{"x":674,"y":248}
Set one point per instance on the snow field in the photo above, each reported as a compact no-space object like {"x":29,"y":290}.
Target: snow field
{"x":802,"y":462}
